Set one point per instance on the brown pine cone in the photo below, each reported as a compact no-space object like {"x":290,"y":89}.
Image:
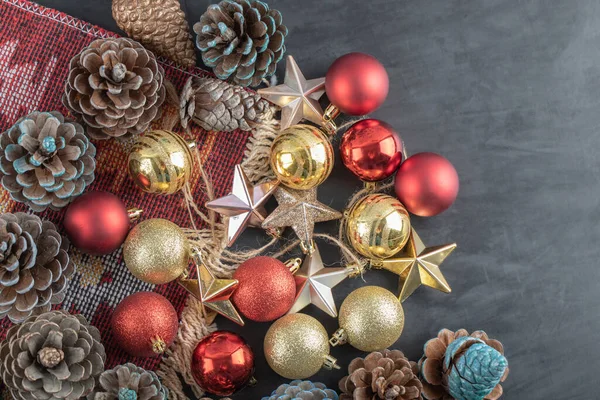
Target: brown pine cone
{"x":435,"y":377}
{"x":241,"y":39}
{"x":116,"y":86}
{"x":160,"y":25}
{"x":46,"y":161}
{"x":34,"y":266}
{"x":216,"y":105}
{"x":386,"y":375}
{"x":52,"y":356}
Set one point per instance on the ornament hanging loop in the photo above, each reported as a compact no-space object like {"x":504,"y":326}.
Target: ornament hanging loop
{"x":339,"y":337}
{"x":330,"y":114}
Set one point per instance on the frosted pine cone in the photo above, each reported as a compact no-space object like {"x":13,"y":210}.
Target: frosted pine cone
{"x":128,"y":381}
{"x":116,"y":86}
{"x":46,"y":161}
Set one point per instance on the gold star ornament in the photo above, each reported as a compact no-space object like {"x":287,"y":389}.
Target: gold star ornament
{"x":418,"y":265}
{"x":297,"y":97}
{"x":244,"y":205}
{"x":214,"y":293}
{"x":299,"y":209}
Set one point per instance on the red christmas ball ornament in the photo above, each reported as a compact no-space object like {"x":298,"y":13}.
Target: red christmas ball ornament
{"x":222,"y":363}
{"x":144,"y":324}
{"x":357,"y":83}
{"x":427,"y":184}
{"x":266,"y":289}
{"x":97,"y":223}
{"x":372,"y":150}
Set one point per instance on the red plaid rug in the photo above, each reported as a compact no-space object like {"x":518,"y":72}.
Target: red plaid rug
{"x":36,"y":44}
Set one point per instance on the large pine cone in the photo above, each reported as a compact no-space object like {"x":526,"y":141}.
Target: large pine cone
{"x":53,"y":356}
{"x":116,"y":86}
{"x":46,"y":161}
{"x":438,"y":367}
{"x":128,"y":381}
{"x":160,"y":25}
{"x":386,"y":375}
{"x":34,"y":266}
{"x":305,"y":390}
{"x":241,"y":39}
{"x":216,"y":105}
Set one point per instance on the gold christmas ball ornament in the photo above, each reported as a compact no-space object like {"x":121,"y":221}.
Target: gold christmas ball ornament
{"x":302,"y":157}
{"x":371,"y":318}
{"x":160,"y":162}
{"x":378,"y":226}
{"x":296,"y":347}
{"x":156,"y":251}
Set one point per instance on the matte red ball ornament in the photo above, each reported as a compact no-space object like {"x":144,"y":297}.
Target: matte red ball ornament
{"x":144,"y":324}
{"x":266,"y":289}
{"x":357,"y":83}
{"x":222,"y":363}
{"x":97,"y":223}
{"x":372,"y":150}
{"x":427,"y":184}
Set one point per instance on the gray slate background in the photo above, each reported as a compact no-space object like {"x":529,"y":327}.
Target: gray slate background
{"x":509,"y":91}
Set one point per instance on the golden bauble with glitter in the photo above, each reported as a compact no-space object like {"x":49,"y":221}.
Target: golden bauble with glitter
{"x":160,"y":162}
{"x":296,"y":347}
{"x":371,"y":318}
{"x":156,"y":251}
{"x":378,"y":226}
{"x":302,"y":157}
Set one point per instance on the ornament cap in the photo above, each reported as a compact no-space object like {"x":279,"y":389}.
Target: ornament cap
{"x":339,"y":337}
{"x":134,"y":213}
{"x":330,"y":363}
{"x":330,"y":114}
{"x":293,"y":264}
{"x":158,"y":345}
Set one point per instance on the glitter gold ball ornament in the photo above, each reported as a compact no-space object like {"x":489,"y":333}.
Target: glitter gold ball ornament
{"x":378,"y":226}
{"x":302,"y":157}
{"x":156,"y":251}
{"x":371,"y":318}
{"x":160,"y":162}
{"x":296,"y":347}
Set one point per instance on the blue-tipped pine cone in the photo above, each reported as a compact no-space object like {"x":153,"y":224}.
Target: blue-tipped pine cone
{"x":302,"y":390}
{"x":459,"y":366}
{"x":241,"y":40}
{"x":46,"y":161}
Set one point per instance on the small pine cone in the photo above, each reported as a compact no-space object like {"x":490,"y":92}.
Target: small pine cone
{"x":386,"y":375}
{"x":450,"y":354}
{"x":52,"y":356}
{"x":160,"y":25}
{"x":305,"y":390}
{"x":34,"y":266}
{"x":241,"y":39}
{"x":219,"y":106}
{"x":128,"y":381}
{"x":46,"y":161}
{"x":116,"y":86}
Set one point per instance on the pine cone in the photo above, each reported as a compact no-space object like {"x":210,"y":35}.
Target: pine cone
{"x":219,"y":106}
{"x":128,"y":381}
{"x":34,"y":266}
{"x":116,"y":86}
{"x":384,"y":375}
{"x":46,"y":161}
{"x":451,"y":355}
{"x":302,"y":390}
{"x":160,"y":25}
{"x":242,"y":39}
{"x":53,"y":356}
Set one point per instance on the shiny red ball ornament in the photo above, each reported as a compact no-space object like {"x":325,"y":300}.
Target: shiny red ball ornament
{"x":222,"y":363}
{"x":357,"y":83}
{"x":372,"y":150}
{"x":144,"y":324}
{"x":427,"y":184}
{"x":266,"y":289}
{"x":97,"y":223}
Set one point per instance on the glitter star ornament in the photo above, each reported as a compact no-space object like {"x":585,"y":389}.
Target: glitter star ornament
{"x":297,"y":97}
{"x":299,"y":209}
{"x":418,"y":265}
{"x":244,"y":205}
{"x":214,"y":293}
{"x":314,"y":283}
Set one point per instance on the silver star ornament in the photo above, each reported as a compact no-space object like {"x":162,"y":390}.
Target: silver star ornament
{"x":244,"y":205}
{"x":297,"y":97}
